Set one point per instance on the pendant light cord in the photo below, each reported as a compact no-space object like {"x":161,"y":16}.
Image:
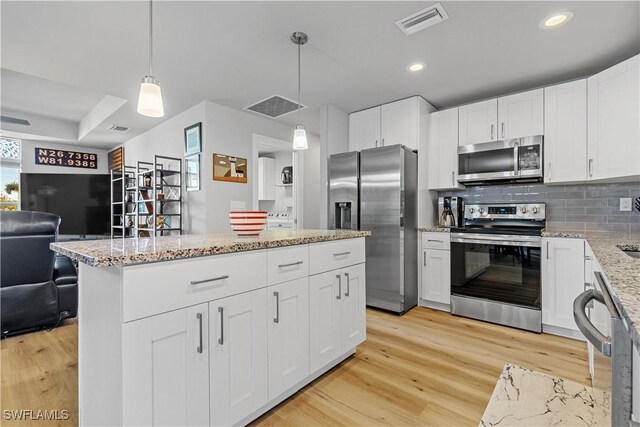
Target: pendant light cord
{"x":150,"y":38}
{"x":299,"y":99}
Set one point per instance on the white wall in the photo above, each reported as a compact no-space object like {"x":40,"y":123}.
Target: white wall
{"x":334,"y":138}
{"x":28,"y":159}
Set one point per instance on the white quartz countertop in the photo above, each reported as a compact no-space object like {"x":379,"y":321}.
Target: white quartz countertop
{"x":105,"y":253}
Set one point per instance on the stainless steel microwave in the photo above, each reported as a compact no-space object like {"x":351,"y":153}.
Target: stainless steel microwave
{"x":511,"y":160}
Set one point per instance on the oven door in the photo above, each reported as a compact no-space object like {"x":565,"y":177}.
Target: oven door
{"x":488,"y":161}
{"x":498,"y":268}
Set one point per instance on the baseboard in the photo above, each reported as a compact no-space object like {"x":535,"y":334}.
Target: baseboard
{"x":435,"y":305}
{"x":563,"y":332}
{"x":296,"y":388}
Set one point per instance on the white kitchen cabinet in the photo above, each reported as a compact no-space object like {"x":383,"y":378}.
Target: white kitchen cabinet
{"x":266,"y":178}
{"x":238,"y":356}
{"x":336,"y":313}
{"x":562,"y":281}
{"x":443,"y":150}
{"x":436,"y":276}
{"x":288,"y":334}
{"x":364,"y":129}
{"x":399,"y":123}
{"x":478,"y":122}
{"x":635,"y":386}
{"x":521,"y":114}
{"x":565,"y":132}
{"x":166,"y":369}
{"x":613,"y":130}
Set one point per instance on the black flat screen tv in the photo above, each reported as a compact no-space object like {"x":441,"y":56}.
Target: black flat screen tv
{"x":82,"y":201}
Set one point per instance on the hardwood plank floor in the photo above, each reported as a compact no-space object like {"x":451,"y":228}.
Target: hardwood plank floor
{"x":424,"y":368}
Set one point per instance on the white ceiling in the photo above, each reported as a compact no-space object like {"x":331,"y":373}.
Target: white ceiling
{"x":236,"y":53}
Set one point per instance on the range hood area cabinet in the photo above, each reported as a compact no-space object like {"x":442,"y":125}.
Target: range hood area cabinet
{"x":389,"y":124}
{"x":591,"y":126}
{"x":507,"y":117}
{"x":442,"y":156}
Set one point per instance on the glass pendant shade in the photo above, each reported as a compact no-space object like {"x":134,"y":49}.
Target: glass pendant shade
{"x":150,"y":99}
{"x":300,"y":138}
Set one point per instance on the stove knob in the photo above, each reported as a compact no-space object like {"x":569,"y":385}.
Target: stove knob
{"x":481,"y":210}
{"x":523,"y":210}
{"x":471,"y":210}
{"x":536,"y":210}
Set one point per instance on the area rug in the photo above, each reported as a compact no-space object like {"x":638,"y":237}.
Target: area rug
{"x":523,"y":397}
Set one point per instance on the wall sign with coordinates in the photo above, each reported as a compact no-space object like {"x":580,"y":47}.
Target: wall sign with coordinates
{"x":66,"y":158}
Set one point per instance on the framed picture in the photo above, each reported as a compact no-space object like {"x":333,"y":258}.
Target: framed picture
{"x":229,"y":168}
{"x":193,"y":139}
{"x":192,"y":172}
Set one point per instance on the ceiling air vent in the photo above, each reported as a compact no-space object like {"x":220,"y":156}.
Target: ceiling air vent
{"x":274,"y":106}
{"x":119,"y":129}
{"x":425,"y":18}
{"x":14,"y":121}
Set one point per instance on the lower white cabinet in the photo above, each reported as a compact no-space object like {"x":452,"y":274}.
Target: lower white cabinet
{"x":635,"y":386}
{"x":288,"y":334}
{"x":333,"y":325}
{"x":562,"y":281}
{"x":165,"y":365}
{"x":436,"y":276}
{"x":238,"y":356}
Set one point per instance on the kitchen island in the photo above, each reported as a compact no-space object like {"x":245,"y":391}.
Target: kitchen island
{"x":212,"y":329}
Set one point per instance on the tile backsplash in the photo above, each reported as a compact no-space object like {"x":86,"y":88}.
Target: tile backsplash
{"x":588,"y":207}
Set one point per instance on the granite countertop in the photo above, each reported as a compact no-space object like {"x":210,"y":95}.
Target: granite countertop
{"x":622,"y":271}
{"x":105,"y":253}
{"x":435,"y":229}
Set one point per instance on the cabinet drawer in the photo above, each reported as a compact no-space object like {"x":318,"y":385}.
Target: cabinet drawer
{"x":286,"y":264}
{"x":329,"y":256}
{"x":157,"y":288}
{"x":436,"y":241}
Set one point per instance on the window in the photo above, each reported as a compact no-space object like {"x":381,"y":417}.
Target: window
{"x":9,"y":174}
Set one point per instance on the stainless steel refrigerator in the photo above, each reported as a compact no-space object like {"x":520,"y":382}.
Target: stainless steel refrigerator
{"x":376,"y":190}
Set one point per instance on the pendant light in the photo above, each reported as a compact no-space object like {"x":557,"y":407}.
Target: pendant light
{"x":299,"y":134}
{"x":150,"y":99}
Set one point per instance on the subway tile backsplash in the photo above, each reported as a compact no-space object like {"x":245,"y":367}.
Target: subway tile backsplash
{"x":588,"y":207}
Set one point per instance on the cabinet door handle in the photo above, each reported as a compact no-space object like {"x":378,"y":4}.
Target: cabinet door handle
{"x":199,"y":317}
{"x":502,"y":129}
{"x":277,"y":318}
{"x":547,"y":250}
{"x":433,"y":240}
{"x":590,"y":167}
{"x":342,"y":253}
{"x":383,"y":142}
{"x":376,"y":143}
{"x":549,"y":174}
{"x":491,"y":130}
{"x":346,"y":294}
{"x":424,"y":258}
{"x":215,"y":279}
{"x":291,"y":264}
{"x":221,"y":339}
{"x":339,"y":286}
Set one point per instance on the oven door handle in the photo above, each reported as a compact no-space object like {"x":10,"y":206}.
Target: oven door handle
{"x":590,"y":332}
{"x":516,"y":158}
{"x":498,"y":242}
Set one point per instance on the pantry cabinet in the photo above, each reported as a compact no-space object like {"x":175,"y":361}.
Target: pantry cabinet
{"x":613,"y":130}
{"x":562,"y":281}
{"x":565,"y":138}
{"x":364,"y":129}
{"x":478,"y":122}
{"x":443,"y":150}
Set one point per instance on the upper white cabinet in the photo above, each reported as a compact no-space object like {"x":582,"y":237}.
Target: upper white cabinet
{"x":565,"y":137}
{"x":478,"y":122}
{"x":562,"y":280}
{"x":521,"y":114}
{"x":613,"y":129}
{"x":443,"y":150}
{"x":507,"y":117}
{"x":266,"y":178}
{"x":364,"y":129}
{"x":389,"y":124}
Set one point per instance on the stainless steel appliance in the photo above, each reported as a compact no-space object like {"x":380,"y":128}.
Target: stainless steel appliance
{"x":513,"y":160}
{"x":287,"y":175}
{"x":449,"y":211}
{"x":280,"y":220}
{"x":376,"y":190}
{"x":612,"y":348}
{"x":495,"y":264}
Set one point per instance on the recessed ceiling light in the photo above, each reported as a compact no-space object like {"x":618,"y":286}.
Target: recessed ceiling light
{"x":556,"y":20}
{"x":418,"y":66}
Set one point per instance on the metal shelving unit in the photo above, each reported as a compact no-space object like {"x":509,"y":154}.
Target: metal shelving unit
{"x":122,"y":204}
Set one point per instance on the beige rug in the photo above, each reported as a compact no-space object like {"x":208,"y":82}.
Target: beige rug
{"x":523,"y":397}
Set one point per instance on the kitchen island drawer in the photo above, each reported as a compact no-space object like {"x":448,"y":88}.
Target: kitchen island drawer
{"x":288,"y":263}
{"x":436,"y":241}
{"x":329,"y":256}
{"x":151,"y":289}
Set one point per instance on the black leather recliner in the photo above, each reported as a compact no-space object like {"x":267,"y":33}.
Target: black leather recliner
{"x":38,"y":288}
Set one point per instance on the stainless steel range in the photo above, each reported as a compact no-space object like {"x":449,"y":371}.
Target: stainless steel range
{"x":495,"y":264}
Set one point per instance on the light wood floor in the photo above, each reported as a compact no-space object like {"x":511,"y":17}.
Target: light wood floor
{"x":424,"y":368}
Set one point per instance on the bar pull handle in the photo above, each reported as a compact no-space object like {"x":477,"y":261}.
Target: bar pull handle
{"x":291,"y":264}
{"x":346,"y":294}
{"x":424,"y":258}
{"x":215,"y":279}
{"x":491,"y":130}
{"x":342,"y":253}
{"x":590,"y":167}
{"x":221,"y":339}
{"x":502,"y":129}
{"x":382,"y":142}
{"x":549,"y":174}
{"x":339,"y":286}
{"x":453,"y":177}
{"x":376,"y":143}
{"x":547,"y":250}
{"x":277,"y":318}
{"x":434,"y":240}
{"x":199,"y":347}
